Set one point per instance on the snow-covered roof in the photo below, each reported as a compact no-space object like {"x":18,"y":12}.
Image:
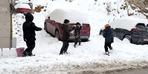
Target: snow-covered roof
{"x":127,"y":23}
{"x":74,"y":16}
{"x":22,"y":5}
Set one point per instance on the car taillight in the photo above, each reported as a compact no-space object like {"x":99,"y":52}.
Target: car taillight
{"x":85,"y":28}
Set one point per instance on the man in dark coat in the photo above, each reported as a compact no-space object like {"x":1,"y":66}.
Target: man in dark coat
{"x":108,"y":35}
{"x":65,"y":38}
{"x":77,"y":34}
{"x":29,"y":29}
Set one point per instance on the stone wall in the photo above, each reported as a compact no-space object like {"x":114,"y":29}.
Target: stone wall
{"x":141,"y":4}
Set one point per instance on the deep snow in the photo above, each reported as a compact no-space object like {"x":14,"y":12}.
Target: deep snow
{"x":88,"y":56}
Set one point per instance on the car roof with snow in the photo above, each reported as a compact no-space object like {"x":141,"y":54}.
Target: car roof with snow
{"x":22,"y":1}
{"x":22,"y":5}
{"x":127,"y":23}
{"x":74,"y":16}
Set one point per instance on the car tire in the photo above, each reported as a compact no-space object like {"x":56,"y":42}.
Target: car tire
{"x":57,"y":35}
{"x":135,"y":41}
{"x":45,"y":27}
{"x":128,"y":37}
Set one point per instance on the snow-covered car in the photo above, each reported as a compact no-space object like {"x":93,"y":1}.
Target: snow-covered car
{"x":53,"y":23}
{"x":23,"y":7}
{"x":134,"y":30}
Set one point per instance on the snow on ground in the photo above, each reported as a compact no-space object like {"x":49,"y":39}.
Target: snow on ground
{"x":88,"y":56}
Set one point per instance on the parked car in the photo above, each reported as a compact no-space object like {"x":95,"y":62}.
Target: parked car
{"x":55,"y":19}
{"x":136,"y":35}
{"x":121,"y":33}
{"x":139,"y":34}
{"x":23,"y":7}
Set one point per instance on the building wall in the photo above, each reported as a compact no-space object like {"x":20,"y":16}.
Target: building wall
{"x":5,"y":26}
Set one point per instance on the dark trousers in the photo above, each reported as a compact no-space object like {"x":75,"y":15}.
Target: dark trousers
{"x":76,"y":41}
{"x":106,"y":46}
{"x":30,"y":46}
{"x":64,"y":47}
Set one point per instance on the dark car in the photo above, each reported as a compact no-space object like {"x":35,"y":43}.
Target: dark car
{"x":137,"y":35}
{"x":121,"y":33}
{"x":55,"y":19}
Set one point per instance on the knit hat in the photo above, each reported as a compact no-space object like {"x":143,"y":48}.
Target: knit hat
{"x":107,"y":25}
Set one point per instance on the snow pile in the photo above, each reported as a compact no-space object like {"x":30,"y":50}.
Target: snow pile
{"x":127,"y":22}
{"x":74,"y":16}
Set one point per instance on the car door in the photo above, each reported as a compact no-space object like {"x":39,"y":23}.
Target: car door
{"x":51,"y":26}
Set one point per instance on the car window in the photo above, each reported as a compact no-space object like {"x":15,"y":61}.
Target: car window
{"x":140,"y":25}
{"x":147,"y":25}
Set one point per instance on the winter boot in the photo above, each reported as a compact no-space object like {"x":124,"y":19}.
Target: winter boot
{"x":107,"y":53}
{"x":25,"y":54}
{"x":74,"y":45}
{"x":111,"y":48}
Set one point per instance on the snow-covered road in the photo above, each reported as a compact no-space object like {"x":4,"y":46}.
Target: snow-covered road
{"x":82,"y":58}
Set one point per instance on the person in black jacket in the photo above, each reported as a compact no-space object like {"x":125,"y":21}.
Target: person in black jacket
{"x":65,"y":38}
{"x":108,"y":35}
{"x":29,"y":29}
{"x":77,"y":34}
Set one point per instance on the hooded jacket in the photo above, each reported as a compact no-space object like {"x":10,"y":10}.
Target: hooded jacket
{"x":108,"y":35}
{"x":29,"y":28}
{"x":66,"y":33}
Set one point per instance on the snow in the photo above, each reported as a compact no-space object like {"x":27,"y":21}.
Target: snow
{"x":127,"y":22}
{"x":73,"y":15}
{"x":88,"y":56}
{"x":21,"y":5}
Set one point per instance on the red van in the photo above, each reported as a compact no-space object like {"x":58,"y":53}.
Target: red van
{"x":23,"y":8}
{"x":55,"y":19}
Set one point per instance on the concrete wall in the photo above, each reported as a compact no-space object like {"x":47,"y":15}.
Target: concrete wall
{"x":5,"y":24}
